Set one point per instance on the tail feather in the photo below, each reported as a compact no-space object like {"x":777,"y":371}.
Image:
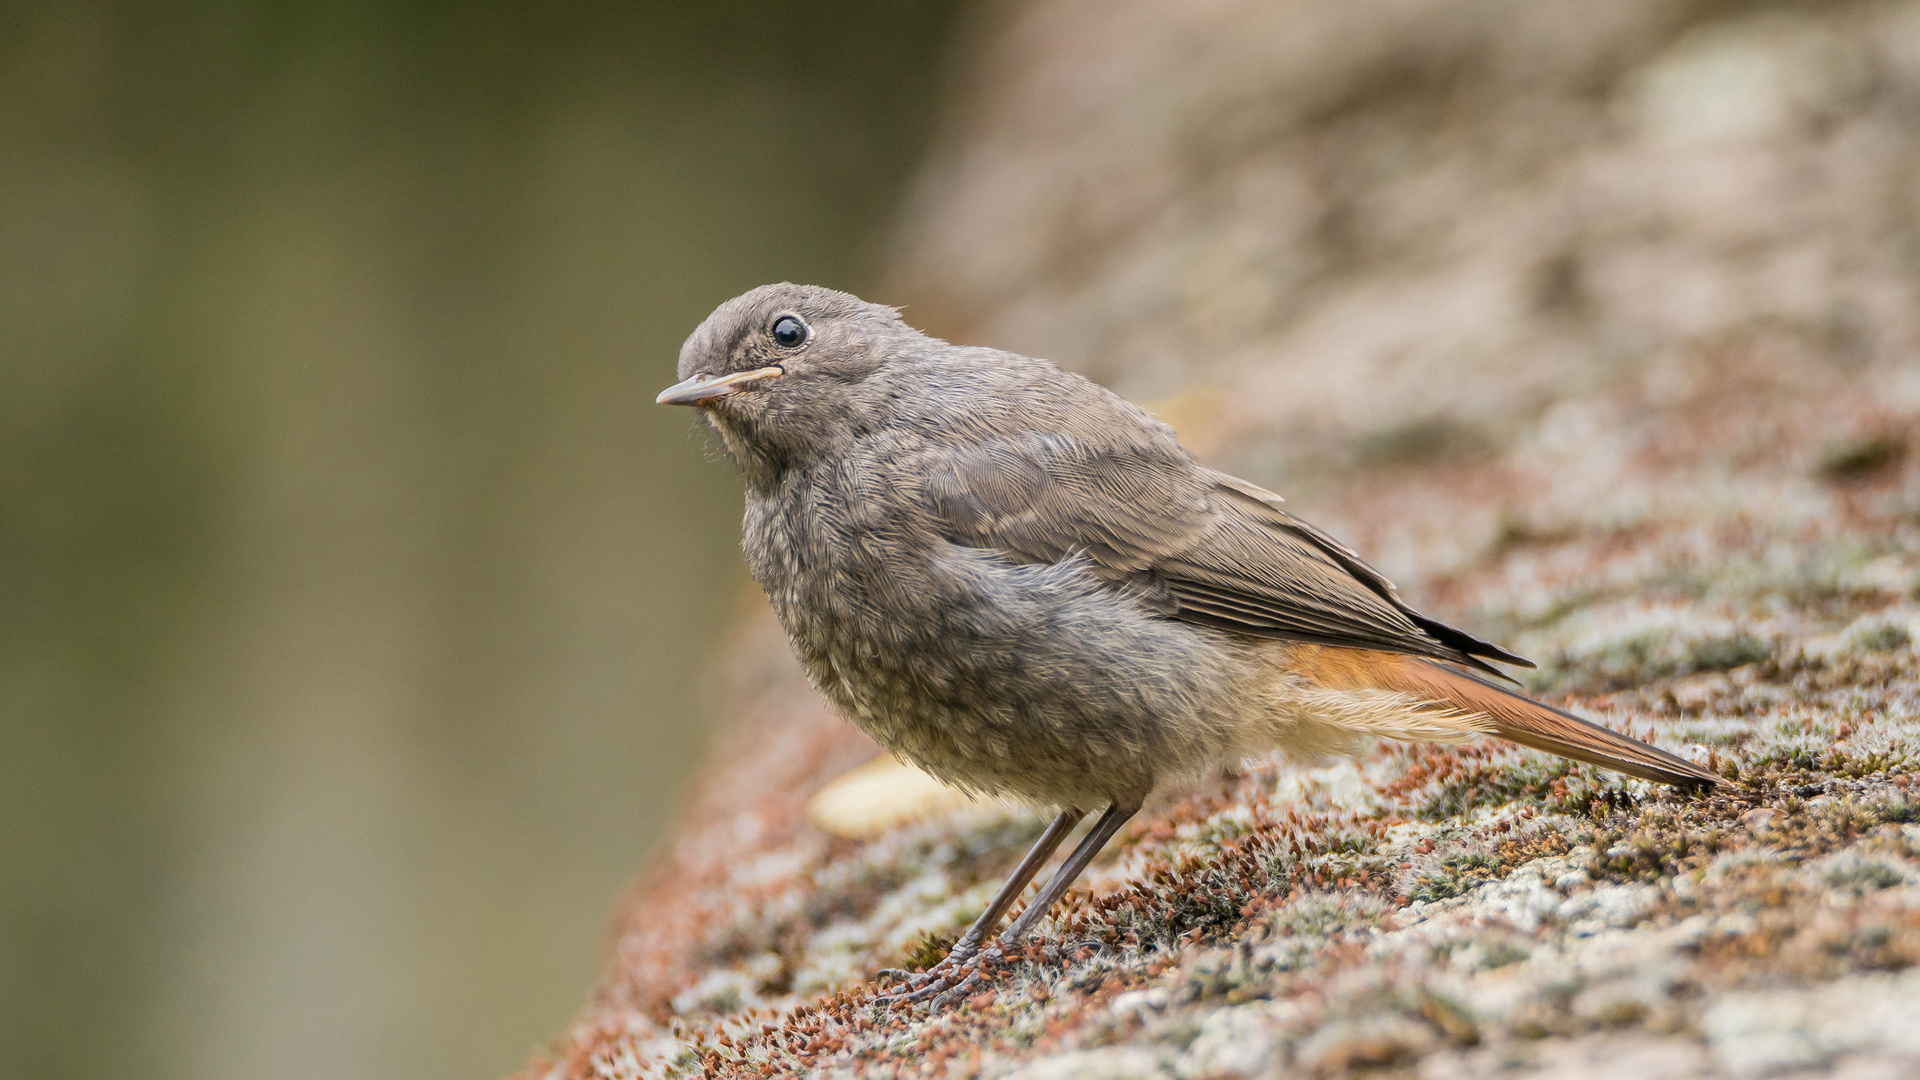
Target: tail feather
{"x":1508,"y":714}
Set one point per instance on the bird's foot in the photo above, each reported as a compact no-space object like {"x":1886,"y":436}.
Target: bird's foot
{"x":945,"y":982}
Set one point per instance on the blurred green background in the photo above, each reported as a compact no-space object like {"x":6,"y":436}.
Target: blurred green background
{"x":352,"y":589}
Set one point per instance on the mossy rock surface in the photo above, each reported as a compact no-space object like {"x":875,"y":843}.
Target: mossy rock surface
{"x":1587,"y":360}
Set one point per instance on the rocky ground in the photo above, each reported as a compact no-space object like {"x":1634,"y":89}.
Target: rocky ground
{"x":1597,"y":327}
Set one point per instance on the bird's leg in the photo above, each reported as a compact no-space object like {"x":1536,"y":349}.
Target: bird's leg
{"x":1097,"y":838}
{"x":967,"y":948}
{"x":953,"y":983}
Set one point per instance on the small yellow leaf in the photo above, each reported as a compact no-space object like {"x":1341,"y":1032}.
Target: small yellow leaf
{"x":878,"y":796}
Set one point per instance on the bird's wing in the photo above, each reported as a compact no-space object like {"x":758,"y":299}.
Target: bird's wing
{"x":1197,"y":544}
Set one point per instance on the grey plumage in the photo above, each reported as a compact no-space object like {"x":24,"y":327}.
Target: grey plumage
{"x":1026,"y":586}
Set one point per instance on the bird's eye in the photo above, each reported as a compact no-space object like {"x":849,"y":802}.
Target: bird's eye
{"x":789,"y":331}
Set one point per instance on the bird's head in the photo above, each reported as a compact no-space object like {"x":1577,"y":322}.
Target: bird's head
{"x":780,"y":372}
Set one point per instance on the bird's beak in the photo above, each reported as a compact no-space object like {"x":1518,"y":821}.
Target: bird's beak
{"x":704,"y":388}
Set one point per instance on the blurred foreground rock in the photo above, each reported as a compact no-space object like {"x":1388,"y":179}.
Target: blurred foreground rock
{"x":1597,"y":328}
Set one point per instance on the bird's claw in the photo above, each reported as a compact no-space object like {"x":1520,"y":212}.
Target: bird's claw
{"x":958,"y":956}
{"x":945,"y":982}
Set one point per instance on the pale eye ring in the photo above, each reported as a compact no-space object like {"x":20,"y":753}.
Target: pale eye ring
{"x":789,"y":332}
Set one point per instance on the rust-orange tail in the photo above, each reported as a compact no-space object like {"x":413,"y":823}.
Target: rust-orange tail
{"x":1509,"y":715}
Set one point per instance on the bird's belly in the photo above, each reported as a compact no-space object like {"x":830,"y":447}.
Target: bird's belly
{"x":1034,"y":681}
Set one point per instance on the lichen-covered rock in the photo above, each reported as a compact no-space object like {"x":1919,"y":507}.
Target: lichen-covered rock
{"x":1598,"y":328}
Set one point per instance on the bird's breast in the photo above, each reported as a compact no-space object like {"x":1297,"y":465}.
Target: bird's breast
{"x":1002,"y":676}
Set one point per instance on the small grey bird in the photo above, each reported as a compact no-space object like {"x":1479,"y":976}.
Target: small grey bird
{"x":1024,"y":585}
